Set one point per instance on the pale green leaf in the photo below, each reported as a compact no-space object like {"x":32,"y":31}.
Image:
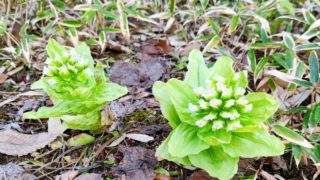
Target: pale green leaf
{"x":184,"y":141}
{"x":314,"y":67}
{"x":162,"y":152}
{"x":223,"y":68}
{"x":88,"y":121}
{"x":216,"y":162}
{"x":167,"y":108}
{"x":253,"y":144}
{"x":287,"y":5}
{"x":214,"y":137}
{"x":80,"y":140}
{"x":252,"y":60}
{"x":263,"y":106}
{"x":197,"y":70}
{"x":234,"y":23}
{"x":181,"y":95}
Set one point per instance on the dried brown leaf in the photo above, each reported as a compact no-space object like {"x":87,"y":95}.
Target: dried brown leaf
{"x":13,"y":171}
{"x":3,"y":78}
{"x":267,"y":176}
{"x":17,"y":144}
{"x":200,"y":175}
{"x":67,"y":175}
{"x":162,"y":177}
{"x":138,"y":163}
{"x":89,"y":176}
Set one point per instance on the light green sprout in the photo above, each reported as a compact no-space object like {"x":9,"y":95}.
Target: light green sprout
{"x":78,"y":89}
{"x":214,"y":121}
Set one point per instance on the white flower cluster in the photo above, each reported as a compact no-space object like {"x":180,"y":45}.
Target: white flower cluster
{"x":67,"y":66}
{"x":222,"y":103}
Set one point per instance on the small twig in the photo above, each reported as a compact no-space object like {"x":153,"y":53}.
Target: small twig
{"x":99,"y":151}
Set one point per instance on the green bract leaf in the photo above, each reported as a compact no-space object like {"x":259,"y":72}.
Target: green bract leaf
{"x":216,"y":162}
{"x":223,"y":68}
{"x":184,"y":141}
{"x":55,"y":50}
{"x":167,"y":108}
{"x":242,"y":81}
{"x":215,"y":138}
{"x":263,"y":106}
{"x":253,"y":144}
{"x":87,"y":121}
{"x":181,"y":95}
{"x":163,"y":153}
{"x":197,"y":70}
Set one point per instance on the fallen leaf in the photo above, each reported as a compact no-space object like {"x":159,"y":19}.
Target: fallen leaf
{"x":186,"y":50}
{"x":107,"y":117}
{"x":162,"y":47}
{"x":297,"y":99}
{"x":89,"y":176}
{"x":169,"y":24}
{"x":3,"y":78}
{"x":162,"y":177}
{"x":115,"y":46}
{"x":279,"y":163}
{"x":28,"y":105}
{"x":117,"y":141}
{"x":138,"y":163}
{"x":142,"y":75}
{"x":140,"y":137}
{"x":28,"y":93}
{"x":267,"y":176}
{"x":246,"y":165}
{"x":13,"y":171}
{"x":200,"y":175}
{"x":17,"y":144}
{"x":67,"y":175}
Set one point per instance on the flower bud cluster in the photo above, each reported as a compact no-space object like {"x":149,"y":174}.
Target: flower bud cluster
{"x":69,"y":73}
{"x":221,"y":104}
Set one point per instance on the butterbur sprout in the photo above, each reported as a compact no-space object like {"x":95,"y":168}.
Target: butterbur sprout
{"x":78,"y":89}
{"x":214,"y":120}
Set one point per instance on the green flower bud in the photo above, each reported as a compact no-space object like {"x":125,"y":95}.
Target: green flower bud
{"x":216,"y":125}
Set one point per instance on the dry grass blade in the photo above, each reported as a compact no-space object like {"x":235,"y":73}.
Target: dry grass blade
{"x":123,"y":21}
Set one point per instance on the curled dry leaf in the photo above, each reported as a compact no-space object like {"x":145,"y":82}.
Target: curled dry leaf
{"x":13,"y":171}
{"x":17,"y":144}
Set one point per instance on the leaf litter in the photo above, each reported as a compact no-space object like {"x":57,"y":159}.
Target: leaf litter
{"x":18,"y":144}
{"x":137,"y":163}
